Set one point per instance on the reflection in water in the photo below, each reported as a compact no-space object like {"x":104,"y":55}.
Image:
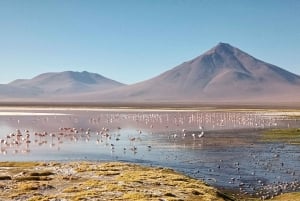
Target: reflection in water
{"x":222,"y":148}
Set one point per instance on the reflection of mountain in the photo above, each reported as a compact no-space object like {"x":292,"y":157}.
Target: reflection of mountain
{"x":223,"y":73}
{"x":58,"y":84}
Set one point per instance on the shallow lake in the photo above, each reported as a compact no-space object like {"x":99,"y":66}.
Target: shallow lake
{"x":223,"y":148}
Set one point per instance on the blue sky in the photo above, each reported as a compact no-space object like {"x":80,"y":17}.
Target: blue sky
{"x":134,"y":40}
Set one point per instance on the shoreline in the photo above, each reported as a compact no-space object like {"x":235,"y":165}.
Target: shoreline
{"x":87,"y":180}
{"x":100,"y":180}
{"x":44,"y":110}
{"x":158,"y":105}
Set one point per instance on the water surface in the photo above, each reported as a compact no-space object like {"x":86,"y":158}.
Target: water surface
{"x":219,"y":147}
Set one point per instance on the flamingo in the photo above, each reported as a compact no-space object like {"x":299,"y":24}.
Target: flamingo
{"x":193,"y":135}
{"x":201,"y":134}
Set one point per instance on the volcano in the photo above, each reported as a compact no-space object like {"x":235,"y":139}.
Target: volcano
{"x":224,"y":73}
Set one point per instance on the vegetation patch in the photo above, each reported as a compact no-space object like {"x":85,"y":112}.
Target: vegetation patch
{"x":19,"y":164}
{"x":288,"y":197}
{"x":38,"y":198}
{"x":134,"y":196}
{"x":32,"y":178}
{"x":290,"y":135}
{"x":103,"y":181}
{"x":28,"y":187}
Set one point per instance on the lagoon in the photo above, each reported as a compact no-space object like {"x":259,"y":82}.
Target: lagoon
{"x":229,"y":155}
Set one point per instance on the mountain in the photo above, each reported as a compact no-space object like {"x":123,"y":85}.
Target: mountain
{"x":224,"y":73}
{"x":58,"y":84}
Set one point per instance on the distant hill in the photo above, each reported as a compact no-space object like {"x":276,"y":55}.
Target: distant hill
{"x":58,"y":84}
{"x":223,"y":73}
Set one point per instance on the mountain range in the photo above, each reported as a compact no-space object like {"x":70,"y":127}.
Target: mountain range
{"x":222,"y":74}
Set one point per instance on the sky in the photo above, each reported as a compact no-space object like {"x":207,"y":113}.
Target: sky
{"x":134,"y":40}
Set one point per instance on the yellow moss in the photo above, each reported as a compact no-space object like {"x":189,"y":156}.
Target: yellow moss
{"x":86,"y":195}
{"x":27,"y":186}
{"x":134,"y":196}
{"x":105,"y":167}
{"x":93,"y":184}
{"x":114,"y":187}
{"x":19,"y":164}
{"x":193,"y":189}
{"x":114,"y":181}
{"x":107,"y":173}
{"x":38,"y":198}
{"x":82,"y":167}
{"x":72,"y":189}
{"x":288,"y":197}
{"x":32,"y":178}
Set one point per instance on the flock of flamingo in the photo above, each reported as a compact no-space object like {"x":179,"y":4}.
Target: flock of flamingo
{"x":19,"y":142}
{"x":179,"y":124}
